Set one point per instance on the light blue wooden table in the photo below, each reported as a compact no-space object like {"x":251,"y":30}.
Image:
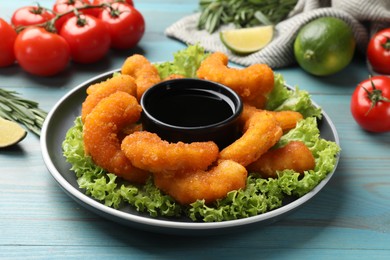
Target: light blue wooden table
{"x":348,"y":219}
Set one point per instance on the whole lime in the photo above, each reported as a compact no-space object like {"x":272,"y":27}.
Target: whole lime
{"x":324,"y":46}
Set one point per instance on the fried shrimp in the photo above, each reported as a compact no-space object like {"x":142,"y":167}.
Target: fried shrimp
{"x":295,"y":156}
{"x":100,"y":134}
{"x":262,"y":131}
{"x":149,"y":152}
{"x":209,"y":185}
{"x":98,"y":91}
{"x":251,"y":83}
{"x":286,"y":119}
{"x":174,"y":76}
{"x":143,"y":71}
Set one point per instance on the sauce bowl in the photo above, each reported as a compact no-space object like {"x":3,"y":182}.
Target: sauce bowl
{"x":192,"y":110}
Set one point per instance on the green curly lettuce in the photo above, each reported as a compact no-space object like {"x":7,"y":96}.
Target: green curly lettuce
{"x":259,"y":196}
{"x":282,"y":98}
{"x":185,"y":62}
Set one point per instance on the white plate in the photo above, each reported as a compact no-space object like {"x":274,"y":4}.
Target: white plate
{"x":62,"y":117}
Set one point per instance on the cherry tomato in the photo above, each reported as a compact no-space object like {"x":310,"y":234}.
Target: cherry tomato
{"x":126,"y":25}
{"x":99,"y":2}
{"x":8,"y":36}
{"x":30,"y":15}
{"x":370,"y":104}
{"x":63,"y":6}
{"x":88,"y":38}
{"x":40,"y":52}
{"x":378,"y":51}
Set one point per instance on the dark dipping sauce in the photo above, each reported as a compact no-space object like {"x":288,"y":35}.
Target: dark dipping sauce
{"x":192,"y":110}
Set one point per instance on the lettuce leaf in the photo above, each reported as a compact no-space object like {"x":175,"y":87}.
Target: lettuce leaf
{"x":185,"y":62}
{"x":282,"y":98}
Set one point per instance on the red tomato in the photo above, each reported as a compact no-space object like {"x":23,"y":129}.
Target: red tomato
{"x":8,"y":36}
{"x":40,"y":52}
{"x":88,"y":38}
{"x":30,"y":15}
{"x":370,"y":104}
{"x":99,"y":2}
{"x":378,"y":51}
{"x":63,"y":6}
{"x":126,"y":25}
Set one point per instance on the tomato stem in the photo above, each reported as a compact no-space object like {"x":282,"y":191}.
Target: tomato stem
{"x":50,"y":24}
{"x":81,"y":21}
{"x":38,"y":10}
{"x":375,"y":96}
{"x":386,"y":45}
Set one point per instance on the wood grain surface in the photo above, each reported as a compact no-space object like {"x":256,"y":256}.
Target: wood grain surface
{"x":348,"y":219}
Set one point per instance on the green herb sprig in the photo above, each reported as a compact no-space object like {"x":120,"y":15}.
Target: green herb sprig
{"x":24,"y":111}
{"x":242,"y":13}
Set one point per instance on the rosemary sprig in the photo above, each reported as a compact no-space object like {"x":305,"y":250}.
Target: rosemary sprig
{"x":24,"y":111}
{"x":242,"y":13}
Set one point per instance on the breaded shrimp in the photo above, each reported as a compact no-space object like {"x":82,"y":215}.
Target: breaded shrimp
{"x":295,"y":156}
{"x":174,"y":76}
{"x":209,"y":185}
{"x":98,"y":91}
{"x":149,"y":152}
{"x":143,"y":71}
{"x":251,"y":83}
{"x":262,"y":132}
{"x":100,"y":134}
{"x":286,"y":119}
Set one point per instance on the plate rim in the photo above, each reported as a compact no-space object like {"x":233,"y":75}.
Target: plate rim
{"x":149,"y":222}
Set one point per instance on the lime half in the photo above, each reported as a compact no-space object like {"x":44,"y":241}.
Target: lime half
{"x":247,"y":40}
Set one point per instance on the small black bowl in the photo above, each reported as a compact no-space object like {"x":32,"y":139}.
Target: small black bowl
{"x":192,"y":110}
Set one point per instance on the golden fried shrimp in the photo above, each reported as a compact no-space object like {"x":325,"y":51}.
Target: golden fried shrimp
{"x":286,"y":119}
{"x":98,"y":91}
{"x":295,"y":156}
{"x":262,"y":132}
{"x":209,"y":185}
{"x":249,"y":83}
{"x":149,"y":152}
{"x":258,"y":101}
{"x":174,"y":76}
{"x":143,"y":71}
{"x":101,"y":130}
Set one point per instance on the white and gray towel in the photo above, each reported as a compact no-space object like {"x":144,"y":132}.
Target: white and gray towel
{"x":364,"y":16}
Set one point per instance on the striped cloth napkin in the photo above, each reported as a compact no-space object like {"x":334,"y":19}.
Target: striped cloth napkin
{"x":364,"y":16}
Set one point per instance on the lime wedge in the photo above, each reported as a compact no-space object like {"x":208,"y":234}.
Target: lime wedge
{"x":10,"y":133}
{"x":247,"y":40}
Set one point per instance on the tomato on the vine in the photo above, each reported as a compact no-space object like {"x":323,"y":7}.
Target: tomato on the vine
{"x":88,"y":38}
{"x":63,"y":6}
{"x":8,"y":35}
{"x":30,"y":15}
{"x":370,"y":104}
{"x":126,"y":25}
{"x":378,"y":51}
{"x":99,"y":2}
{"x":40,"y":52}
